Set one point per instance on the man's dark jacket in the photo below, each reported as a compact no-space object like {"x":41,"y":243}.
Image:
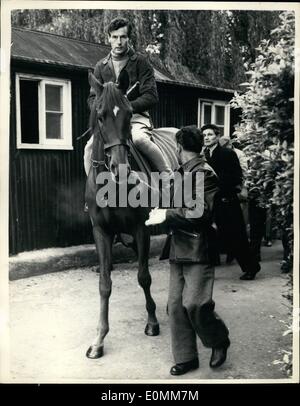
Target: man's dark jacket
{"x":139,"y":70}
{"x":225,"y":163}
{"x":190,"y":240}
{"x":228,"y":213}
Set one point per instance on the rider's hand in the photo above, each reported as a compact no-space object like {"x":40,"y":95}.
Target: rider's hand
{"x":156,"y":216}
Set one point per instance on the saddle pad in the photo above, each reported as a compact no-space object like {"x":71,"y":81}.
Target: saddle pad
{"x":164,"y":138}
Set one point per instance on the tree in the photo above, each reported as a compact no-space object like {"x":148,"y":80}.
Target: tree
{"x":267,"y":126}
{"x":249,"y":28}
{"x":208,"y":46}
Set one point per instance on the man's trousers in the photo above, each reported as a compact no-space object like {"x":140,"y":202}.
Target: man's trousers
{"x":191,"y":311}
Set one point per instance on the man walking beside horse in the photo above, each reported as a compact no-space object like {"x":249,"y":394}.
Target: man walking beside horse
{"x":189,"y":247}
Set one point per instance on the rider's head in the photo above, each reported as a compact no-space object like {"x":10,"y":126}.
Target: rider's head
{"x":119,"y":32}
{"x":117,"y":23}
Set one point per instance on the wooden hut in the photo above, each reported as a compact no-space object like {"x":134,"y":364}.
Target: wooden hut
{"x":49,"y":89}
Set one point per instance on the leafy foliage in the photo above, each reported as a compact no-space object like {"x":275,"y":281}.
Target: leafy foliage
{"x":267,"y":126}
{"x":208,"y":46}
{"x":285,"y":356}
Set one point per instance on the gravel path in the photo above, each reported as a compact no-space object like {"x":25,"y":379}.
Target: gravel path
{"x":53,"y":320}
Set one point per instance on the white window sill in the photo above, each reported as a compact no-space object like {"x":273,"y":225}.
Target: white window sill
{"x":39,"y":146}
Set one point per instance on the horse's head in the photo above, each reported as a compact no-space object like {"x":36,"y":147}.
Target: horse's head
{"x":110,"y":120}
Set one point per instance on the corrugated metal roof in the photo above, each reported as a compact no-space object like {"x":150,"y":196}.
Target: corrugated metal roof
{"x":48,"y":48}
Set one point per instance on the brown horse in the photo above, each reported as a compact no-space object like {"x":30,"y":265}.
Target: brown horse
{"x":110,"y":122}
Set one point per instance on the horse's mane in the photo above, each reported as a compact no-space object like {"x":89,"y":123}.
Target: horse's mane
{"x":110,"y":97}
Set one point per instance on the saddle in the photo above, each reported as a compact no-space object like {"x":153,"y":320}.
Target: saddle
{"x":164,"y":138}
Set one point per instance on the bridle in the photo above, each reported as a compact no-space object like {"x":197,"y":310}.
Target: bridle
{"x":105,"y":163}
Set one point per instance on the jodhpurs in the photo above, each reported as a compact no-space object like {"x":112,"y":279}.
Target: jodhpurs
{"x":141,"y":137}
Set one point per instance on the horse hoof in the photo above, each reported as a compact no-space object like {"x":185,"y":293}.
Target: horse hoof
{"x":152,"y":329}
{"x":94,"y":352}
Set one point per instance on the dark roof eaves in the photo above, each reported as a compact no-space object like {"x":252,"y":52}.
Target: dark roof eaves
{"x":95,"y":44}
{"x":196,"y":85}
{"x":85,"y":67}
{"x":79,"y":67}
{"x":54,"y":63}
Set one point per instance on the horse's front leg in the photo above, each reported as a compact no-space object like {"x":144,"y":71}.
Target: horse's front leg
{"x":104,"y":249}
{"x":142,"y":238}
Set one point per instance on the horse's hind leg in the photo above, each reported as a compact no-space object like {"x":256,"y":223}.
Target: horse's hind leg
{"x":144,"y":279}
{"x":104,"y":247}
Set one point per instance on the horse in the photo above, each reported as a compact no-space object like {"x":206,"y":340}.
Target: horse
{"x":110,"y":123}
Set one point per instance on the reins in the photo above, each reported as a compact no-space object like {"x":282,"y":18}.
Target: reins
{"x":99,"y":163}
{"x":102,"y":164}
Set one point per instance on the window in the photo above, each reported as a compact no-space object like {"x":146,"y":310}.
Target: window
{"x":43,"y":112}
{"x":214,"y":112}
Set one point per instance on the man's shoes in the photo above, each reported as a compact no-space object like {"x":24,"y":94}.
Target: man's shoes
{"x":250,"y":276}
{"x":285,"y":266}
{"x":217,"y":261}
{"x":229,"y":259}
{"x":180,"y":369}
{"x":218,"y":356}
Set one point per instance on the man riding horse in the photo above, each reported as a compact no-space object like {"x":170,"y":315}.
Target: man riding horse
{"x":123,"y":88}
{"x":142,"y":93}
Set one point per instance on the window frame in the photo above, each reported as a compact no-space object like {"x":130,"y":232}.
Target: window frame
{"x":64,"y":143}
{"x":213,"y":103}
